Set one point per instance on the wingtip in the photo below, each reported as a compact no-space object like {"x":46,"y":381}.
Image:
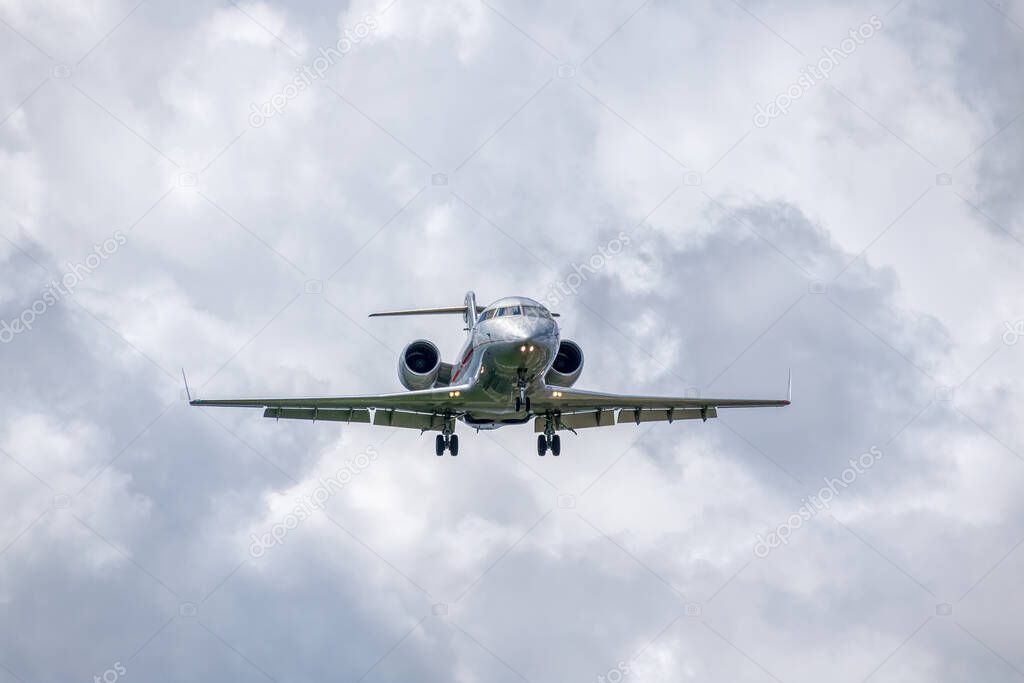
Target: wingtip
{"x":188,"y":392}
{"x":789,"y":388}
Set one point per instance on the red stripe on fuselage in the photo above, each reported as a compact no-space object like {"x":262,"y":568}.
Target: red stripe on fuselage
{"x":462,"y":365}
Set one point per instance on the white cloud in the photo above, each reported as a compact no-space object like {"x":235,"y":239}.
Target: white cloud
{"x":651,"y":135}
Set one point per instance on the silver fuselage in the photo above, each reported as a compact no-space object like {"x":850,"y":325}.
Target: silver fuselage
{"x":497,"y":353}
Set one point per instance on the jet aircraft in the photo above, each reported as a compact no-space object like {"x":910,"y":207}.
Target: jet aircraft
{"x":513,"y":368}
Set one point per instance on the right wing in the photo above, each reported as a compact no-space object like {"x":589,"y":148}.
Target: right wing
{"x":424,"y":409}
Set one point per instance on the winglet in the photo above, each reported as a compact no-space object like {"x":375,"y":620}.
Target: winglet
{"x":187,"y":392}
{"x":789,"y":388}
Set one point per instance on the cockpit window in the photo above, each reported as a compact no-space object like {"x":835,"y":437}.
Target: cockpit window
{"x":534,"y":312}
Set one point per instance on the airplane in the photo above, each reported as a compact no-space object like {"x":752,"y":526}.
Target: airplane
{"x":513,"y":368}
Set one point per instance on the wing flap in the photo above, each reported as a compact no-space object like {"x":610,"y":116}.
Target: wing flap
{"x":638,"y":416}
{"x":595,"y":418}
{"x":331,"y":414}
{"x":401,"y":418}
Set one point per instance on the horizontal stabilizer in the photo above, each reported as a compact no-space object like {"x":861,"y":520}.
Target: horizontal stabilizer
{"x":453,"y":310}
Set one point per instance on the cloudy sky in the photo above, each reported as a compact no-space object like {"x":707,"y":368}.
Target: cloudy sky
{"x":231,"y":188}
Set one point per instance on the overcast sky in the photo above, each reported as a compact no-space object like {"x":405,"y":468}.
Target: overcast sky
{"x":232,"y":188}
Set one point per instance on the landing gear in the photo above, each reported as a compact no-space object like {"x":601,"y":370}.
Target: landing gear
{"x":549,"y":443}
{"x":549,"y":440}
{"x":522,"y":400}
{"x":446,"y":441}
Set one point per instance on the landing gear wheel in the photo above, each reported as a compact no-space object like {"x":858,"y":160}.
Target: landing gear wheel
{"x":453,"y":444}
{"x":527,"y":404}
{"x":556,"y":445}
{"x":519,"y":404}
{"x":542,"y":445}
{"x":439,"y":445}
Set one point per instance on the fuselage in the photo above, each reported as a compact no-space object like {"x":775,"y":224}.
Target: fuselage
{"x":512,"y":344}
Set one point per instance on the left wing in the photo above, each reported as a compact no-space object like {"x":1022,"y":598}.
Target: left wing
{"x":425,"y":409}
{"x":579,"y":409}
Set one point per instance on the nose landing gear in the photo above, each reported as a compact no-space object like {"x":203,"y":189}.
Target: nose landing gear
{"x":522,"y":400}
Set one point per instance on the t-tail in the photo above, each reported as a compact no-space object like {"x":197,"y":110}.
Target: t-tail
{"x":469,"y":311}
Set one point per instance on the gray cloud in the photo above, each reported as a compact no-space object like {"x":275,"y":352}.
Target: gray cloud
{"x":812,"y":245}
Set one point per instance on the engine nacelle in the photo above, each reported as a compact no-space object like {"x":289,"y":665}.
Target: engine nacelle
{"x":567,"y":366}
{"x":419,"y":365}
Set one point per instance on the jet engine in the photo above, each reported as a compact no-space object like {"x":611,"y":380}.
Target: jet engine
{"x":419,"y":365}
{"x":567,"y":366}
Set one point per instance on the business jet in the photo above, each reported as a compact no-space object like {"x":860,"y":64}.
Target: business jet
{"x":513,"y":368}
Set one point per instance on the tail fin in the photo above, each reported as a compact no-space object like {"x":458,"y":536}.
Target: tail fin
{"x":470,"y":318}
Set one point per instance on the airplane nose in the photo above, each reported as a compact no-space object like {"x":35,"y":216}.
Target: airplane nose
{"x":532,"y":348}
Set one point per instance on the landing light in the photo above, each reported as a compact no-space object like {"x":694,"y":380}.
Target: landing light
{"x":531,"y":349}
{"x":523,"y":348}
{"x":454,"y":394}
{"x":556,"y":394}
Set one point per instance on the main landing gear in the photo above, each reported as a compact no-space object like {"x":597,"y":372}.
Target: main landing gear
{"x":549,"y":440}
{"x":549,"y":443}
{"x":448,"y":443}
